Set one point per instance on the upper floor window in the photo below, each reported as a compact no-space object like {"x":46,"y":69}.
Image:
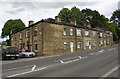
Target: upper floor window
{"x":35,"y":30}
{"x":94,"y":33}
{"x":79,"y":44}
{"x":101,"y":34}
{"x":78,"y":32}
{"x":20,"y":35}
{"x":11,"y":37}
{"x":64,"y":31}
{"x":87,"y":33}
{"x":88,"y":43}
{"x":71,"y":31}
{"x":27,"y":33}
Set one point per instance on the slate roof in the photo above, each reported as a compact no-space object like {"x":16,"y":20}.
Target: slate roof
{"x":59,"y":23}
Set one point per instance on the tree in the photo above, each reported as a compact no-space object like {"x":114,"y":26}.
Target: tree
{"x":74,"y":14}
{"x":65,"y":15}
{"x":12,"y":26}
{"x":78,"y":15}
{"x":115,"y":18}
{"x":95,"y":18}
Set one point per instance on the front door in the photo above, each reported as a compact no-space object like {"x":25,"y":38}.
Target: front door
{"x":71,"y":46}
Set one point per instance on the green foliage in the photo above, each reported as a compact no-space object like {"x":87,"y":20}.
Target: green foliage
{"x":95,"y":18}
{"x":65,"y":15}
{"x":114,"y":18}
{"x":75,"y":13}
{"x":12,"y":26}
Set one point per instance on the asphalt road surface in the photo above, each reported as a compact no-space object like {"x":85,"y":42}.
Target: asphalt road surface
{"x":100,"y":62}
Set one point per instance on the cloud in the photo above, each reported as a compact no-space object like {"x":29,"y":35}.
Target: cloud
{"x":37,"y":10}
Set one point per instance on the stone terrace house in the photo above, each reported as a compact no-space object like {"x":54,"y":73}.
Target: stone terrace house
{"x":51,"y":36}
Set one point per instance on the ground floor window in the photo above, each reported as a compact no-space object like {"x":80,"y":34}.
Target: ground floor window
{"x":65,"y":45}
{"x":79,"y":44}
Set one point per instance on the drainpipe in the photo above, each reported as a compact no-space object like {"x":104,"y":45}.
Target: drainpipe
{"x":42,"y":36}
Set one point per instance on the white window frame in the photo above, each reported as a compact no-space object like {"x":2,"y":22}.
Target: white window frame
{"x":87,"y":42}
{"x":35,"y":30}
{"x":27,"y":33}
{"x":94,"y":33}
{"x":101,"y":34}
{"x":78,"y":32}
{"x":20,"y":35}
{"x":65,"y":45}
{"x":87,"y":33}
{"x":79,"y":44}
{"x":64,"y":31}
{"x":71,"y":31}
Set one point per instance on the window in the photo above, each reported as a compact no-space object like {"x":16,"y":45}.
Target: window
{"x":101,"y":34}
{"x":27,"y":33}
{"x":110,"y":33}
{"x":35,"y":30}
{"x":87,"y":33}
{"x":64,"y":31}
{"x":88,"y":43}
{"x":36,"y":45}
{"x":79,"y":44}
{"x":20,"y":35}
{"x":71,"y":31}
{"x":11,"y":37}
{"x":65,"y":45}
{"x":94,"y":33}
{"x":78,"y":32}
{"x":101,"y":42}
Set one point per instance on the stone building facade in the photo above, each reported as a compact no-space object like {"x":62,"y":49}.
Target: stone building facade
{"x":51,"y":36}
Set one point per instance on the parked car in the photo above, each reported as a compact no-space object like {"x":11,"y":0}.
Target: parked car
{"x":27,"y":54}
{"x":10,"y":52}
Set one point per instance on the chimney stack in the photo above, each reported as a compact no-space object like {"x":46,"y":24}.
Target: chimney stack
{"x":88,"y":24}
{"x":73,"y":21}
{"x":57,"y":19}
{"x":31,"y":22}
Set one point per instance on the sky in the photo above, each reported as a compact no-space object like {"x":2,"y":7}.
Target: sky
{"x":36,"y":10}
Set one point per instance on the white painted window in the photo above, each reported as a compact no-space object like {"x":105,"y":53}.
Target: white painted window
{"x":101,"y":42}
{"x":35,"y":30}
{"x":94,"y":33}
{"x":11,"y":37}
{"x":64,"y":31}
{"x":78,"y":32}
{"x":79,"y":44}
{"x":87,"y":33}
{"x":101,"y":34}
{"x":65,"y":45}
{"x":71,"y":31}
{"x":88,"y":43}
{"x":27,"y":33}
{"x":20,"y":35}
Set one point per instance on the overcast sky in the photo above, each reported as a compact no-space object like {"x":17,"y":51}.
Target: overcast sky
{"x":42,"y":9}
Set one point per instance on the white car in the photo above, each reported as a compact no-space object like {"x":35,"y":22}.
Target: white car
{"x":27,"y":54}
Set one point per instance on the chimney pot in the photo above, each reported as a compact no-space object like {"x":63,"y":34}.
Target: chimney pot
{"x":31,"y":22}
{"x":57,"y":19}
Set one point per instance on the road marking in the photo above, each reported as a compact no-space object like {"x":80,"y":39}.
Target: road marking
{"x":72,"y":60}
{"x":18,"y":68}
{"x":33,"y":68}
{"x":27,"y":72}
{"x":111,"y":49}
{"x":61,"y":61}
{"x":110,"y":72}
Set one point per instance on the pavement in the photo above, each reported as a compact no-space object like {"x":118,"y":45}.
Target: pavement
{"x":97,"y":63}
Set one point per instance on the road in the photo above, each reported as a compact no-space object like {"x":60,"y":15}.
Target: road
{"x":100,"y":62}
